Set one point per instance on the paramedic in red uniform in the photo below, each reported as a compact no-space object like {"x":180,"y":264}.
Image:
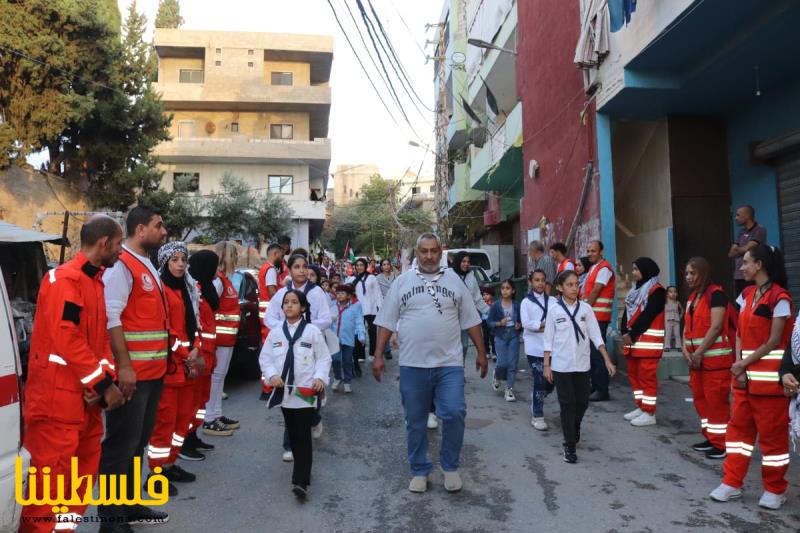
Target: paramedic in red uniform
{"x":558,"y":251}
{"x":760,"y":410}
{"x":70,"y":372}
{"x":708,"y":348}
{"x":642,"y":328}
{"x":137,"y":325}
{"x":268,"y":284}
{"x":599,"y":292}
{"x":177,"y":405}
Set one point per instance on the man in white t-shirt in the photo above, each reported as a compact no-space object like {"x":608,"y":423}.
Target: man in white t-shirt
{"x":429,"y":306}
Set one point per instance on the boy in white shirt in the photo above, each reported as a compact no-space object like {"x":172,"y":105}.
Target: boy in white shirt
{"x":569,"y":328}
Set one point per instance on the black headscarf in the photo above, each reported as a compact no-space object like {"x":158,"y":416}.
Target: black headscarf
{"x":648,"y":268}
{"x":586,"y":263}
{"x":203,"y":268}
{"x":361,"y":277}
{"x":188,"y":310}
{"x":457,"y":265}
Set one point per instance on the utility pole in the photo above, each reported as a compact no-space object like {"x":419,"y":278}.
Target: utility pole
{"x":442,"y":175}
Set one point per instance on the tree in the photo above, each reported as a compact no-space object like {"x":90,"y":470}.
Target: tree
{"x":74,"y":87}
{"x":270,"y":216}
{"x":169,"y":14}
{"x":376,"y":222}
{"x":235,"y":211}
{"x":45,"y":70}
{"x":182,"y":212}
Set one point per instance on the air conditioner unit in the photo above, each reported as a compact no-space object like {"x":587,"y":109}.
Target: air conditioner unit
{"x":533,"y":169}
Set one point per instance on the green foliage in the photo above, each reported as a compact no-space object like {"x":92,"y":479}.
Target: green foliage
{"x":77,"y":85}
{"x":169,"y":14}
{"x":376,"y":223}
{"x":181,"y":212}
{"x":236,"y":211}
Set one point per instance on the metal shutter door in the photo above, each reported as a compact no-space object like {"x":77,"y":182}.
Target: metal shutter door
{"x":789,"y":197}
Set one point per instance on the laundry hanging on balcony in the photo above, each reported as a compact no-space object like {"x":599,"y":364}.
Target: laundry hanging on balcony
{"x":593,"y":42}
{"x":619,"y":12}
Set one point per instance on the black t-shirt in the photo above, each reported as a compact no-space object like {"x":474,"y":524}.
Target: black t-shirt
{"x":719,"y":299}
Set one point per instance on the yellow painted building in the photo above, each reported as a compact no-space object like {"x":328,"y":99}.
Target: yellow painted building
{"x":255,"y":105}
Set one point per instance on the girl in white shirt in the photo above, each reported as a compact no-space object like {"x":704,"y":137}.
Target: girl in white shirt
{"x":569,"y":328}
{"x":295,"y":361}
{"x":533,"y":313}
{"x":369,"y":295}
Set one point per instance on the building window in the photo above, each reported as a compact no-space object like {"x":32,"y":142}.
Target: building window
{"x":432,"y":188}
{"x":186,"y":181}
{"x":217,"y":63}
{"x":415,"y":190}
{"x":281,"y":184}
{"x":219,"y":50}
{"x":250,"y":64}
{"x":185,"y":129}
{"x":249,"y":52}
{"x":234,"y":127}
{"x":281,"y":131}
{"x":190,"y":76}
{"x":281,"y":78}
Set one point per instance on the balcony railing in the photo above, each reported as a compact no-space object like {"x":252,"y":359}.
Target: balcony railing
{"x":243,"y":149}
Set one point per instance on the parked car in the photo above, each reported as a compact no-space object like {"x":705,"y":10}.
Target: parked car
{"x":477,"y":257}
{"x":10,"y":416}
{"x":481,"y":275}
{"x":248,"y":341}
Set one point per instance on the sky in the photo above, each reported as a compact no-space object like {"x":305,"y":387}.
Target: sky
{"x":361,"y":130}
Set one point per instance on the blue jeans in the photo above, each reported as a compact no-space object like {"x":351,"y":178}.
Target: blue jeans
{"x":445,"y":387}
{"x":507,"y":345}
{"x":541,"y":387}
{"x":343,"y":361}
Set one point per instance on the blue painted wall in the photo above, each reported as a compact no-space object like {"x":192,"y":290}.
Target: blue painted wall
{"x":770,"y":115}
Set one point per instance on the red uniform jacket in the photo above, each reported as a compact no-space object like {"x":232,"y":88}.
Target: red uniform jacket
{"x":70,"y":349}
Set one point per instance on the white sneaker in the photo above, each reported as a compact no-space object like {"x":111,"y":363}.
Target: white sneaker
{"x":370,"y":358}
{"x":287,"y":457}
{"x":433,"y":422}
{"x":539,"y":423}
{"x":335,"y":384}
{"x":633,"y":414}
{"x":316,"y":431}
{"x":495,"y":383}
{"x":418,"y":484}
{"x":452,"y":481}
{"x":224,"y":395}
{"x":770,"y":500}
{"x":644,"y":419}
{"x":348,"y":388}
{"x":724,"y":493}
{"x":509,"y":396}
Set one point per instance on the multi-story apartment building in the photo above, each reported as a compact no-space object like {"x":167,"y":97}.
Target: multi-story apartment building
{"x":479,"y":169}
{"x":348,"y":180}
{"x":255,"y":105}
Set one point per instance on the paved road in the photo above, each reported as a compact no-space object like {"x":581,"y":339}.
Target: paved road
{"x":627,"y":479}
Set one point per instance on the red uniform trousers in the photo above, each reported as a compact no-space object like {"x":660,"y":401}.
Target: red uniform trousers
{"x":768,"y":418}
{"x":711,"y":391}
{"x":54,"y":444}
{"x":643,"y":375}
{"x":176,"y":409}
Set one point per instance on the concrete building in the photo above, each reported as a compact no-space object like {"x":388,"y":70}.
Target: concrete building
{"x":420,"y":191}
{"x":479,"y":162}
{"x":255,"y":105}
{"x":559,"y":165}
{"x":348,"y":180}
{"x":697,"y":115}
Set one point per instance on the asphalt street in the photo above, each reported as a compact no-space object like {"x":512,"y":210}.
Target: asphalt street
{"x":627,"y":479}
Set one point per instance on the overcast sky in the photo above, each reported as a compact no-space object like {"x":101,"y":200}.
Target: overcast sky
{"x":360,"y":128}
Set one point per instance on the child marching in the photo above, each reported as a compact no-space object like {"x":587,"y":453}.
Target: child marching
{"x":569,"y":328}
{"x":295,"y":362}
{"x":533,"y":312}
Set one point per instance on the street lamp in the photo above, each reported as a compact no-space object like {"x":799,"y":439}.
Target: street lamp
{"x":489,"y":46}
{"x":420,"y":145}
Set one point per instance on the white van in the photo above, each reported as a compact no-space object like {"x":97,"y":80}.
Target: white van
{"x":477,"y":257}
{"x":10,"y":416}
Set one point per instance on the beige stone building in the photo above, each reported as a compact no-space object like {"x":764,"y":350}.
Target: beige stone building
{"x":255,"y":105}
{"x":348,"y":180}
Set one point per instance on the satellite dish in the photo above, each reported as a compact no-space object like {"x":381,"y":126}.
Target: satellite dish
{"x":459,"y":58}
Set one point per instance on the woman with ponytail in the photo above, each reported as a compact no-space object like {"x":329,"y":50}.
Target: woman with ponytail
{"x":760,"y":408}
